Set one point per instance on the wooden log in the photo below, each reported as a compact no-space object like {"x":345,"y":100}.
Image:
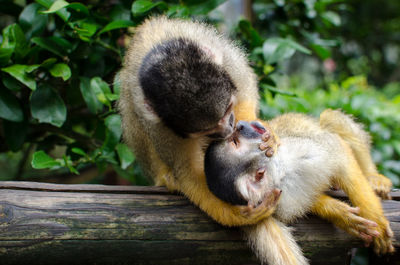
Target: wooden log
{"x":96,"y":224}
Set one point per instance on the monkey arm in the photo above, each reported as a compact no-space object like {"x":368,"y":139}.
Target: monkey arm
{"x":196,"y":189}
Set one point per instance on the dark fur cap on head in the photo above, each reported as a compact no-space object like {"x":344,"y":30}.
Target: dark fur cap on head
{"x":187,"y":90}
{"x":221,"y":173}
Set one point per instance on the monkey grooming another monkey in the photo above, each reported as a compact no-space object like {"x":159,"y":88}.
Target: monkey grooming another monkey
{"x":182,"y":83}
{"x":312,"y":156}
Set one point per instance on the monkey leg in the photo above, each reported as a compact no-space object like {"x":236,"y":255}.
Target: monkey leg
{"x":361,"y":194}
{"x":345,"y":217}
{"x":359,"y":141}
{"x":274,"y":244}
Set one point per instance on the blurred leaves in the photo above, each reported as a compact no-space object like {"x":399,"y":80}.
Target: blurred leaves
{"x":47,"y":106}
{"x":59,"y":81}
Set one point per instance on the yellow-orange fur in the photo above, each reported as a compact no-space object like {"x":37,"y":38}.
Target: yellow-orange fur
{"x":169,"y":159}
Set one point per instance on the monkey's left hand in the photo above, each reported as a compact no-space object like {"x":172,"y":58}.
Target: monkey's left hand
{"x":270,"y":141}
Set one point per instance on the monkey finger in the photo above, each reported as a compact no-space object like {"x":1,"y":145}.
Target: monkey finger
{"x":361,"y":220}
{"x":367,"y":239}
{"x":266,"y":136}
{"x":389,"y":231}
{"x":355,"y":210}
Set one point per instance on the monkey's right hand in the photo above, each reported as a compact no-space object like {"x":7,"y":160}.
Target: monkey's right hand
{"x":270,"y":141}
{"x":264,"y":209}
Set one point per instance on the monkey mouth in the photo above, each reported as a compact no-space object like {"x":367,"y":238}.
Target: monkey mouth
{"x":258,"y":127}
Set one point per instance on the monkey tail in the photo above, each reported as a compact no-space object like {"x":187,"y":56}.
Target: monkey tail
{"x":273,"y":243}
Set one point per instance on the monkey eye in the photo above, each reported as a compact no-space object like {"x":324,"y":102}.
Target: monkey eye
{"x":234,"y":141}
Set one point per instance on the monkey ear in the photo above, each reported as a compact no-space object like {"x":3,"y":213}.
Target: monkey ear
{"x":149,"y":112}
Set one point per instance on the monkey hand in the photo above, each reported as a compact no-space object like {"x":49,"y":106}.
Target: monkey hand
{"x":383,"y":241}
{"x":360,"y":227}
{"x":270,"y":142}
{"x":263,"y":209}
{"x":381,"y":185}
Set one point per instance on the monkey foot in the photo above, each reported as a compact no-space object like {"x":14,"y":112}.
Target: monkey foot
{"x":383,"y":244}
{"x":360,"y":227}
{"x":381,"y":185}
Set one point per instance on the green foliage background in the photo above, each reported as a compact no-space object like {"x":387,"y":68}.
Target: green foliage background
{"x":59,"y":60}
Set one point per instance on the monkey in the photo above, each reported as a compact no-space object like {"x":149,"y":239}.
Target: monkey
{"x":182,"y":85}
{"x":312,"y":155}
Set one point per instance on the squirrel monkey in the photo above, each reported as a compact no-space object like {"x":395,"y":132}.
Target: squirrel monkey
{"x":183,"y":84}
{"x":310,"y":158}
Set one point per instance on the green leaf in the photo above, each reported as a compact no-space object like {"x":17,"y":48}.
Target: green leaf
{"x":5,"y":55}
{"x":14,"y":39}
{"x":10,"y":108}
{"x":60,"y":70}
{"x":274,"y":90}
{"x":48,"y":63}
{"x":11,"y":83}
{"x":47,"y":106}
{"x":100,"y":88}
{"x":142,"y":6}
{"x":56,"y":45}
{"x":119,"y":12}
{"x":178,"y":11}
{"x":60,"y":4}
{"x":79,"y":7}
{"x":57,"y":5}
{"x":331,"y":18}
{"x":250,"y":33}
{"x":94,"y":105}
{"x":204,"y":7}
{"x":321,"y":51}
{"x":85,"y":28}
{"x":68,"y":164}
{"x":21,"y":73}
{"x":118,"y":24}
{"x":15,"y":134}
{"x":117,"y":84}
{"x":125,"y":155}
{"x":113,"y":124}
{"x":279,"y":49}
{"x":113,"y":132}
{"x":42,"y":160}
{"x":62,"y":13}
{"x":32,"y":21}
{"x":78,"y":151}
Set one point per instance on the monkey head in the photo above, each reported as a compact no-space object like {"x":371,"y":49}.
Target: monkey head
{"x":186,"y":86}
{"x":238,"y":172}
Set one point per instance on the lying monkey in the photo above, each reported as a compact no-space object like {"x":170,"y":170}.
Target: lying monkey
{"x":311,"y":157}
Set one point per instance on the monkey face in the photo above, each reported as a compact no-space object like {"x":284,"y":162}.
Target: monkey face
{"x":225,"y":126}
{"x":237,"y":170}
